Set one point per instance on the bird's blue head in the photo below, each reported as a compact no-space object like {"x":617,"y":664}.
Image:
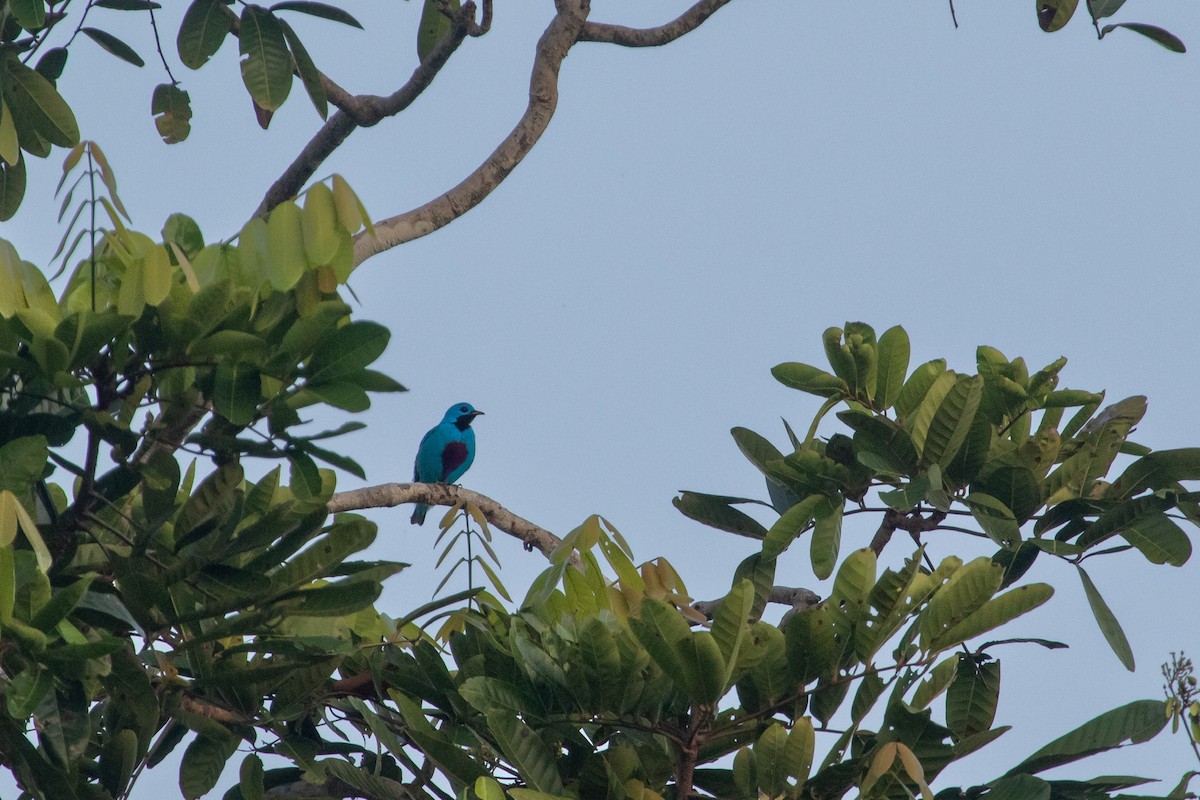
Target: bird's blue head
{"x":461,"y":415}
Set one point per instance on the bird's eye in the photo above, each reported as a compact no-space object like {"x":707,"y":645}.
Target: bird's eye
{"x":463,"y":409}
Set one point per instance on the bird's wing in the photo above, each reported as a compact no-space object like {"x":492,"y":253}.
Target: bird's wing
{"x":428,"y":466}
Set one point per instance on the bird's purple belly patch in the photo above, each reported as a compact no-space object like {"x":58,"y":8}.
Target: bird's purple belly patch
{"x":454,"y":454}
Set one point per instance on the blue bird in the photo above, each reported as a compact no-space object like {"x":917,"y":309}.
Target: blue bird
{"x":446,"y":452}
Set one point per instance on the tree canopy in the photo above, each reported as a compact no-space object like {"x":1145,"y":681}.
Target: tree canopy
{"x":178,"y":569}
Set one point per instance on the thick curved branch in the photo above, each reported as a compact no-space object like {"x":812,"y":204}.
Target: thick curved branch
{"x":552,"y":48}
{"x":366,"y":110}
{"x":387,"y":495}
{"x":799,"y":598}
{"x":685,"y":23}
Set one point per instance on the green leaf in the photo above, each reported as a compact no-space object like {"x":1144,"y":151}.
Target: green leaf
{"x":972,"y":697}
{"x":322,"y":234}
{"x":995,"y":518}
{"x":266,"y":60}
{"x":347,"y":350}
{"x":813,"y":649}
{"x":10,"y":146}
{"x":318,"y":10}
{"x":994,"y":613}
{"x":757,"y":450}
{"x":1020,"y":787}
{"x":237,"y":390}
{"x":29,"y":14}
{"x":309,"y":75}
{"x":791,"y":524}
{"x":917,"y":386}
{"x":172,"y":111}
{"x":26,"y":692}
{"x":884,"y":439}
{"x":114,"y":45}
{"x":894,"y":352}
{"x":1159,"y":539}
{"x":1016,"y":487}
{"x":341,"y":394}
{"x":1152,"y":32}
{"x":434,"y":26}
{"x":1158,"y":470}
{"x":34,"y":99}
{"x":250,"y":778}
{"x":731,"y":624}
{"x":937,"y":682}
{"x":525,"y":750}
{"x":827,"y":537}
{"x":1107,"y":621}
{"x":1104,"y":8}
{"x":204,"y":27}
{"x":716,"y":512}
{"x":1054,"y":14}
{"x":770,"y":762}
{"x":334,"y":600}
{"x":286,"y":262}
{"x":810,"y":379}
{"x":1133,"y":723}
{"x":952,"y":421}
{"x":202,"y":764}
{"x":324,"y":554}
{"x":968,"y":588}
{"x":12,"y":188}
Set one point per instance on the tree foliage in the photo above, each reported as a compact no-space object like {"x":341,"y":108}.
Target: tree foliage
{"x":167,"y":585}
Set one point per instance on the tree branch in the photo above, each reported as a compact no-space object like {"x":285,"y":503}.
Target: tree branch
{"x":799,"y":598}
{"x":366,"y":110}
{"x":685,"y":23}
{"x":552,"y":48}
{"x":440,"y":494}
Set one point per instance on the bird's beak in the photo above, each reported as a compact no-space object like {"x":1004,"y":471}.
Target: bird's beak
{"x":476,"y":414}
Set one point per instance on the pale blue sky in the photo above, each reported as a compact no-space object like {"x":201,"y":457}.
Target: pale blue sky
{"x":698,"y":213}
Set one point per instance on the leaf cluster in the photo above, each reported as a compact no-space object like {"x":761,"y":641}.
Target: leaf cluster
{"x":993,"y":448}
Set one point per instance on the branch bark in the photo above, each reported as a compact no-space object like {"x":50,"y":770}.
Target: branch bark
{"x":365,"y":110}
{"x":685,"y":23}
{"x":569,"y":26}
{"x":440,"y":494}
{"x":552,"y":48}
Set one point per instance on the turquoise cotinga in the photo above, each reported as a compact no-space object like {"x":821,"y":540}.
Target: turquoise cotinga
{"x":446,"y":452}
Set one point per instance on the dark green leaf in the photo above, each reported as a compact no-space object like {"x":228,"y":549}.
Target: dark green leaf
{"x":1104,"y":8}
{"x":1054,"y":14}
{"x":810,"y":379}
{"x":237,"y":390}
{"x":894,"y":351}
{"x":114,"y":45}
{"x":172,"y":111}
{"x":1134,"y":723}
{"x":318,"y":10}
{"x":346,"y":350}
{"x":202,"y":764}
{"x":29,"y":14}
{"x":127,"y":5}
{"x":34,"y":100}
{"x":50,"y":66}
{"x":972,"y":697}
{"x":890,"y":443}
{"x":1152,"y":32}
{"x":202,"y":30}
{"x":309,"y":75}
{"x":12,"y":188}
{"x":716,"y":512}
{"x":1020,"y":787}
{"x":266,"y":60}
{"x":434,"y":25}
{"x":1107,"y":621}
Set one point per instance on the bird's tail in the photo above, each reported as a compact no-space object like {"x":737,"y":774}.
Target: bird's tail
{"x":418,"y":517}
